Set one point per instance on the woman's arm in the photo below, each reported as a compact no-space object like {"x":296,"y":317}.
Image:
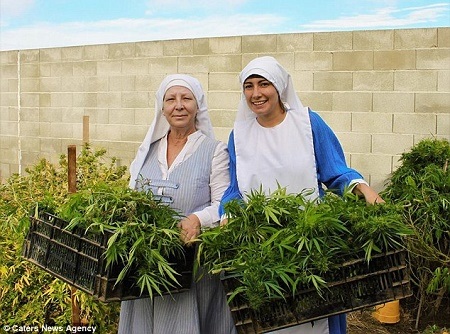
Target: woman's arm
{"x":232,"y":191}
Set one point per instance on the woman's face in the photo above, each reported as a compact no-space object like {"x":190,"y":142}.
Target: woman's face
{"x":261,"y":96}
{"x":180,"y":107}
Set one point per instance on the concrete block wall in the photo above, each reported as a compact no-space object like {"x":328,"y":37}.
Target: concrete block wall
{"x":381,"y":91}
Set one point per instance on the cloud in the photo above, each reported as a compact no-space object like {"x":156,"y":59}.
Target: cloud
{"x":168,"y":6}
{"x":14,"y":8}
{"x":384,"y":17}
{"x":46,"y":35}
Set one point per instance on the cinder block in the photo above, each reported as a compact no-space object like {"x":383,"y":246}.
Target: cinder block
{"x":179,"y":47}
{"x":259,"y":43}
{"x":352,"y":60}
{"x":416,"y":80}
{"x":29,"y":114}
{"x":164,"y":65}
{"x":121,"y":50}
{"x":393,"y":102}
{"x":9,"y":57}
{"x":223,"y":82}
{"x":29,"y":129}
{"x":355,"y":142}
{"x":415,"y":124}
{"x":8,"y":128}
{"x":332,"y":41}
{"x":443,"y":81}
{"x":432,"y":103}
{"x":96,"y":52}
{"x":295,"y":42}
{"x":394,"y":60}
{"x":218,"y":46}
{"x":85,"y":68}
{"x":444,"y":37}
{"x":370,"y":122}
{"x":415,"y":38}
{"x":28,"y":56}
{"x":8,"y":71}
{"x":443,"y":125}
{"x":191,"y":64}
{"x":121,"y":83}
{"x":222,"y":134}
{"x":26,"y":100}
{"x":109,"y":99}
{"x":149,"y":49}
{"x":28,"y":84}
{"x":224,"y":63}
{"x":51,"y":84}
{"x":433,"y":59}
{"x":134,"y":66}
{"x":72,"y":53}
{"x":333,"y":81}
{"x":134,"y":100}
{"x":368,"y":164}
{"x":84,"y":99}
{"x":314,"y":61}
{"x":317,"y":101}
{"x":373,"y":40}
{"x":352,"y":101}
{"x":148,"y":82}
{"x":47,"y":115}
{"x":50,"y":55}
{"x":222,"y":118}
{"x":303,"y":80}
{"x":29,"y":70}
{"x":373,"y":81}
{"x":223,"y":100}
{"x":61,"y":99}
{"x":8,"y":99}
{"x":95,"y":83}
{"x":340,"y":122}
{"x":61,"y":69}
{"x":109,"y":67}
{"x":392,"y":143}
{"x":121,"y":116}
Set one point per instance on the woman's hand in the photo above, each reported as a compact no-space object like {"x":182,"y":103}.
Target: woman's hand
{"x":370,"y":195}
{"x":190,"y":228}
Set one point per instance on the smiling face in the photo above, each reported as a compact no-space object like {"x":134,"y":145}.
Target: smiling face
{"x":180,"y":108}
{"x":262,"y":98}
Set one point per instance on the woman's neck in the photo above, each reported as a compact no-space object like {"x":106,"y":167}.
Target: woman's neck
{"x":179,"y":137}
{"x":269,"y":121}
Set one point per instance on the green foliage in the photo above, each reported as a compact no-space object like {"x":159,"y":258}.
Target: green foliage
{"x":422,"y":182}
{"x":144,"y":237}
{"x":280,"y":243}
{"x":28,"y":294}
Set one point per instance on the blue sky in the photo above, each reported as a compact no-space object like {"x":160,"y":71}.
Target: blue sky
{"x":29,"y":24}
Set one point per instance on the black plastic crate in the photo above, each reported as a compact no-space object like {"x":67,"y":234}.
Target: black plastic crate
{"x":76,"y":257}
{"x":355,"y":285}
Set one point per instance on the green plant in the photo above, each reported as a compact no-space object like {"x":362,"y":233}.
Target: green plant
{"x":422,"y":183}
{"x":277,"y":244}
{"x":28,"y":294}
{"x":144,"y":237}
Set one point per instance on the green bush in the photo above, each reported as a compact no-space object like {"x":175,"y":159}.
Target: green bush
{"x":28,"y":295}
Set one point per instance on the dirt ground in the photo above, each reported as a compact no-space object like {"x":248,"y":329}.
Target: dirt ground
{"x":362,"y":322}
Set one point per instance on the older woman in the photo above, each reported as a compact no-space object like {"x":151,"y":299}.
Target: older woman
{"x":182,"y":164}
{"x":278,"y":141}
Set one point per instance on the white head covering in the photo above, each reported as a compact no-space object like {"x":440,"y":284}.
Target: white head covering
{"x":255,"y":169}
{"x":160,"y":126}
{"x":269,"y":68}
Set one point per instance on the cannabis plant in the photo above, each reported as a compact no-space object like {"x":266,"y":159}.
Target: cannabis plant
{"x":29,"y":295}
{"x":422,"y":183}
{"x":278,"y":244}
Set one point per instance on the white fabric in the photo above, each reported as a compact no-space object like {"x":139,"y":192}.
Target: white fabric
{"x":287,"y":149}
{"x":283,"y":153}
{"x":219,"y":179}
{"x":160,"y":126}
